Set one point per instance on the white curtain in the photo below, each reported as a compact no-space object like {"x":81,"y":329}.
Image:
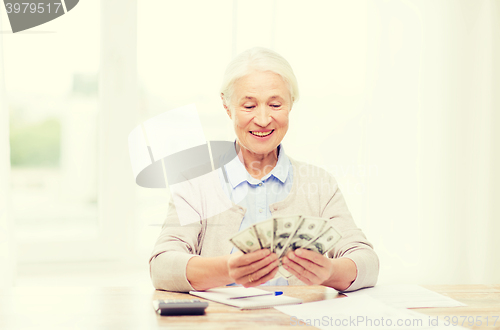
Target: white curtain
{"x":6,"y":231}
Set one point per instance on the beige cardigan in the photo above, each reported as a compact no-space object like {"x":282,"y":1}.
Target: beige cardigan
{"x":314,"y":192}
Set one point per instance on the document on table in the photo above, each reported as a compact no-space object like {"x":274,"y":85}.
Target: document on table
{"x":407,"y":296}
{"x":222,"y":296}
{"x":360,"y":312}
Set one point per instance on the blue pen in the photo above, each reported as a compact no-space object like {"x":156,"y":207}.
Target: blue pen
{"x":275,"y":293}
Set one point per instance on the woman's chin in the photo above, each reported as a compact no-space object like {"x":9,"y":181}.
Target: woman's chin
{"x":262,"y":149}
{"x":259,"y":147}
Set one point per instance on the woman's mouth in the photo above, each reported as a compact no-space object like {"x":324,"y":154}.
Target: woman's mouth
{"x":261,"y":134}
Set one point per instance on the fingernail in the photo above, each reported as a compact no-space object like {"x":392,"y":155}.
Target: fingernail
{"x":284,"y":260}
{"x":292,"y":256}
{"x":266,"y":252}
{"x":299,"y":252}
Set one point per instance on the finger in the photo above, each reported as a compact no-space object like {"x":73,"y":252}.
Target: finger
{"x":266,"y":278}
{"x":298,"y":272}
{"x":312,"y":256}
{"x":258,"y":275}
{"x":307,"y":263}
{"x":251,"y":257}
{"x":256,"y":266}
{"x":305,"y":268}
{"x":240,"y":272}
{"x":269,"y":276}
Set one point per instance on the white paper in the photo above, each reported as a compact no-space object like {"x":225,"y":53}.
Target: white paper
{"x":222,"y":296}
{"x":407,"y":296}
{"x":360,"y":312}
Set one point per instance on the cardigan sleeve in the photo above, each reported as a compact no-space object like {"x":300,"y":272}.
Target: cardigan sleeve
{"x":175,"y":246}
{"x":353,"y":244}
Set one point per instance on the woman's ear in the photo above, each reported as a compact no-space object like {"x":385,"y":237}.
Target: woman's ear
{"x":225,"y":105}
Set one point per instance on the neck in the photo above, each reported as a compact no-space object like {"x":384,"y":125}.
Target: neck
{"x":257,"y":165}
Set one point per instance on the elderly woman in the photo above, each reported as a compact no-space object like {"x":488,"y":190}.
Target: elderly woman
{"x":258,"y":92}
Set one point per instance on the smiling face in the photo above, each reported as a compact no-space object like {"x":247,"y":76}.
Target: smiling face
{"x":259,"y":107}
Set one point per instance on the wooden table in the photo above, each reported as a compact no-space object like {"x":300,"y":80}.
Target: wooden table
{"x":131,"y":308}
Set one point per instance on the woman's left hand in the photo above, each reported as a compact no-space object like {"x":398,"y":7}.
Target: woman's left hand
{"x":308,"y":266}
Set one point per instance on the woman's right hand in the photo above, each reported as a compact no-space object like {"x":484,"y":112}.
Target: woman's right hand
{"x":252,"y":269}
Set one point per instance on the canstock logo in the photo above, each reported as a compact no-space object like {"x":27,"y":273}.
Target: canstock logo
{"x":170,"y":151}
{"x":24,"y":14}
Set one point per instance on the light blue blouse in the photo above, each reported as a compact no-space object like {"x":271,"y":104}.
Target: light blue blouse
{"x":256,"y":195}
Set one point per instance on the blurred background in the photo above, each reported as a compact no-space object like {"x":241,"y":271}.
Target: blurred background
{"x":399,"y":101}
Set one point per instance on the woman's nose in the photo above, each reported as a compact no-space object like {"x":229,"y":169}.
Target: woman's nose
{"x":262,"y":117}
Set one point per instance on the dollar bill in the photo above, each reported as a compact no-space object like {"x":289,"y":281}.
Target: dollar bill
{"x":264,"y":231}
{"x":287,"y":233}
{"x":283,"y":228}
{"x":307,"y":229}
{"x":246,"y":241}
{"x":324,"y":242}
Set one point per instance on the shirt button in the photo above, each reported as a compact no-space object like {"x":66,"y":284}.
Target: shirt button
{"x":260,"y":184}
{"x":261,"y":210}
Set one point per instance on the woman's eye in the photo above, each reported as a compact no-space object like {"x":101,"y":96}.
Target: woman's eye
{"x":276,"y":105}
{"x":249,"y":106}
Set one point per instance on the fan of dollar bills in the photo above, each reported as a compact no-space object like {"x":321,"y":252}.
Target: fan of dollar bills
{"x":282,"y":234}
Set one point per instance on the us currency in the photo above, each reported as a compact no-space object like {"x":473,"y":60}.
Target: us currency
{"x":264,"y":231}
{"x":307,"y":229}
{"x":283,"y":228}
{"x":324,"y":242}
{"x":246,"y":241}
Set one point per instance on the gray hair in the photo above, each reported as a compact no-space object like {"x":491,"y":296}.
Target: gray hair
{"x":258,"y":59}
